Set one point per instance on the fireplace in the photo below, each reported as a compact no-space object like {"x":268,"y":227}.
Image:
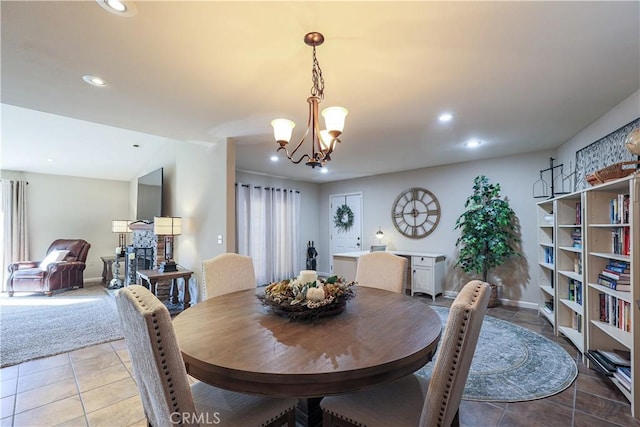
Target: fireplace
{"x":137,"y":259}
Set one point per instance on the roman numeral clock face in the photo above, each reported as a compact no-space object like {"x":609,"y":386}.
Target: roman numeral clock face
{"x":415,"y":213}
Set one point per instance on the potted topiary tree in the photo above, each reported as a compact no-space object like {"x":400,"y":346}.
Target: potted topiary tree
{"x":489,"y":232}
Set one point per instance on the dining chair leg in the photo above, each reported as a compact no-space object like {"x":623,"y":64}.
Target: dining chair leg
{"x":291,"y":419}
{"x":456,"y":419}
{"x":329,"y":420}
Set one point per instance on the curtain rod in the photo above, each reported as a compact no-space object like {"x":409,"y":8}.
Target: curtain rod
{"x":5,"y":179}
{"x":267,"y":188}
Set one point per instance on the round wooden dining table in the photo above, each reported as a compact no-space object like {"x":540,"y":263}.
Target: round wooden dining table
{"x":235,"y":342}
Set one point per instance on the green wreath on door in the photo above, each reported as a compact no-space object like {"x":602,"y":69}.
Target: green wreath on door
{"x":343,"y":219}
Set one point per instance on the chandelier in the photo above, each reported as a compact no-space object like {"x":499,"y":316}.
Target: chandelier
{"x":322,"y":142}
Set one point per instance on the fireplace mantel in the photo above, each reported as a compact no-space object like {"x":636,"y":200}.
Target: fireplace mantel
{"x":142,"y":226}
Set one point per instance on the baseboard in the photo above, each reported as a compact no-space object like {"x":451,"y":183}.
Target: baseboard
{"x":503,"y":301}
{"x":91,"y":279}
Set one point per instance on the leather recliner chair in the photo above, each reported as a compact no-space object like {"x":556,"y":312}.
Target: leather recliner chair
{"x":30,"y":276}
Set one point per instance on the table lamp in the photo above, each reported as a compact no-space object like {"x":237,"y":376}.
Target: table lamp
{"x":379,"y":234}
{"x":167,"y":227}
{"x":121,"y":226}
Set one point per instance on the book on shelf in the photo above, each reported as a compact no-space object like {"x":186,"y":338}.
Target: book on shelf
{"x":548,"y":307}
{"x":618,"y":285}
{"x":576,"y":237}
{"x":548,"y":255}
{"x":622,"y":380}
{"x":618,"y":265}
{"x":625,"y":371}
{"x":620,"y":358}
{"x":575,"y":291}
{"x":615,"y":312}
{"x":619,"y":209}
{"x":577,"y":265}
{"x":621,"y":240}
{"x":600,"y":363}
{"x":620,"y":277}
{"x":578,"y":213}
{"x":576,"y":322}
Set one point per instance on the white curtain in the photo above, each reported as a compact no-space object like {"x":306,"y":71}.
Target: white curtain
{"x":268,"y":230}
{"x":14,"y":226}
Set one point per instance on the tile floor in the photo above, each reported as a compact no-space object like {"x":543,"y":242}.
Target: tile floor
{"x":94,"y":387}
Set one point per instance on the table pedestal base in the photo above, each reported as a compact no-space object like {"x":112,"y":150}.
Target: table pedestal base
{"x":308,"y":412}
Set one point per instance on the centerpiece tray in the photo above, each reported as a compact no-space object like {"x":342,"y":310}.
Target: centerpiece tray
{"x":312,"y":300}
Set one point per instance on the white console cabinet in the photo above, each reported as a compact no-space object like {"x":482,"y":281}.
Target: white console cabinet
{"x":425,"y":275}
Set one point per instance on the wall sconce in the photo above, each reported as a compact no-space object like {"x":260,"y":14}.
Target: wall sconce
{"x":379,"y":234}
{"x":167,"y":227}
{"x":121,"y":226}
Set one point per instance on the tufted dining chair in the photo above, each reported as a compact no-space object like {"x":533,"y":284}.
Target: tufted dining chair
{"x":227,"y":273}
{"x":382,"y":270}
{"x":159,"y":372}
{"x":415,"y":401}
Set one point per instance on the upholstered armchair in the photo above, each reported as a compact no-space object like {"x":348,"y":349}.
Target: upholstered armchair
{"x":63,"y":267}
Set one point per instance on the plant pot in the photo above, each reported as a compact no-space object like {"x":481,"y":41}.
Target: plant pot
{"x":494,"y":301}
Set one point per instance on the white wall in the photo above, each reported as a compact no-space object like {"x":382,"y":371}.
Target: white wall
{"x":65,"y":207}
{"x":623,"y":113}
{"x":196,"y":188}
{"x":309,"y":206}
{"x":451,"y":184}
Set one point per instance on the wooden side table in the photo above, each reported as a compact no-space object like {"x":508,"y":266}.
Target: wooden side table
{"x":107,"y":274}
{"x":155,"y":278}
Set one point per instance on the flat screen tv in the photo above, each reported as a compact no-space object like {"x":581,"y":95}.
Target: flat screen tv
{"x":149,"y":196}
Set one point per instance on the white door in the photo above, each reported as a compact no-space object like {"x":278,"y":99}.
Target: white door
{"x":343,"y":238}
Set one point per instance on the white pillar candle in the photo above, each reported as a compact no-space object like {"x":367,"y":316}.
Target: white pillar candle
{"x":307,"y":276}
{"x":132,"y":256}
{"x":118,"y":250}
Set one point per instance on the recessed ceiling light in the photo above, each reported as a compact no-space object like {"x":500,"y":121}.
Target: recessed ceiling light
{"x":94,"y":80}
{"x":119,"y":7}
{"x":445,"y":117}
{"x":324,"y":170}
{"x":50,"y":160}
{"x":472,"y":143}
{"x":274,"y":158}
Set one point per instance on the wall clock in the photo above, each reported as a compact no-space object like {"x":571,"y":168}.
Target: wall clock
{"x":415,"y":213}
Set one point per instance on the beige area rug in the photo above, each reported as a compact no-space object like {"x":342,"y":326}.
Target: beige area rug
{"x":35,"y":326}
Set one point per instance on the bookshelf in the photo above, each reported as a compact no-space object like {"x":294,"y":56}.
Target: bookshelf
{"x":546,"y":262}
{"x":589,"y":271}
{"x":570,"y":316}
{"x":612,"y":274}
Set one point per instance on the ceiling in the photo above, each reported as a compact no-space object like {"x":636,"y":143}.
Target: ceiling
{"x":520,"y":76}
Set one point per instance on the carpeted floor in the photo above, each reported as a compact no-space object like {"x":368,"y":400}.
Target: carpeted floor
{"x":513,"y":364}
{"x":35,"y":326}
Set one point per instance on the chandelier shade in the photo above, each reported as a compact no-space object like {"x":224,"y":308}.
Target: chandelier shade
{"x":282,"y":129}
{"x":334,"y":118}
{"x":323,"y":142}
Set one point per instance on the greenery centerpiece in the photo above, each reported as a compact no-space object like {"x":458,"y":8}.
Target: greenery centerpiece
{"x":307,"y":296}
{"x":489,"y":233}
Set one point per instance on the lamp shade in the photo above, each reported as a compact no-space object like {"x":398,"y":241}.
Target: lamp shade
{"x":167,"y":225}
{"x":120,"y":226}
{"x":325,"y":139}
{"x":334,"y":118}
{"x":282,"y":129}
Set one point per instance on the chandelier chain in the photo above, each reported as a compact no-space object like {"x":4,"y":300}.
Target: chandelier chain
{"x":316,"y":76}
